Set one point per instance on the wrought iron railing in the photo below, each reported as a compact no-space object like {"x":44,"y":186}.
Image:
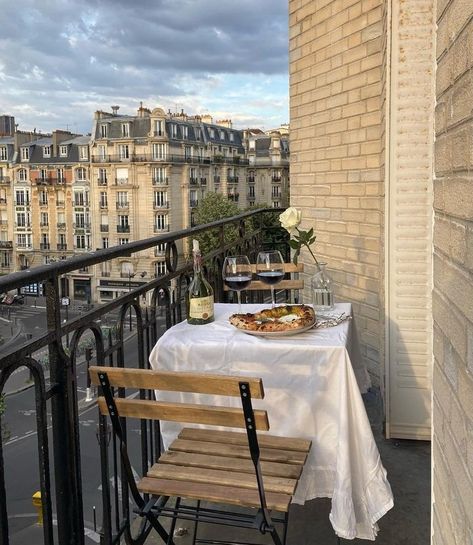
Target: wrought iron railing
{"x":60,"y":452}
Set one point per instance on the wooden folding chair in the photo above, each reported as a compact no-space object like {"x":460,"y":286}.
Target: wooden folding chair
{"x":293,"y":284}
{"x":222,"y":467}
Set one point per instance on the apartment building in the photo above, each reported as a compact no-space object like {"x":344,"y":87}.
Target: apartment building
{"x":134,"y":177}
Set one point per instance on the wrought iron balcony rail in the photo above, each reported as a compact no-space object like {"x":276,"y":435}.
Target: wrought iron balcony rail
{"x":170,"y":158}
{"x":103,"y":326}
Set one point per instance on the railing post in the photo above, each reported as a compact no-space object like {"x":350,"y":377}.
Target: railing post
{"x":70,"y":520}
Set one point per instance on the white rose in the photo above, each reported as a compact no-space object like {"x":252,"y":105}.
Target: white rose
{"x":290,"y":219}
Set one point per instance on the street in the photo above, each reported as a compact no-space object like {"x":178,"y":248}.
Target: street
{"x":20,"y":447}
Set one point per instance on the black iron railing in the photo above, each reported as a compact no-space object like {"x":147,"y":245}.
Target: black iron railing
{"x":60,"y":452}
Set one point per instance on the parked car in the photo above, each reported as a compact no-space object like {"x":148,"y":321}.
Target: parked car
{"x":9,"y":299}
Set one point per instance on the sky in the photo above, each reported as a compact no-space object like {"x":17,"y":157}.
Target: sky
{"x":61,"y":60}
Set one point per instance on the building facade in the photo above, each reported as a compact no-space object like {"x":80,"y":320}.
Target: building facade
{"x":134,"y":177}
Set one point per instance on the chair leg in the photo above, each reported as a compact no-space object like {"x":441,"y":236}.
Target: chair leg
{"x":194,"y":537}
{"x":286,"y":523}
{"x":275,"y":536}
{"x":173,"y":523}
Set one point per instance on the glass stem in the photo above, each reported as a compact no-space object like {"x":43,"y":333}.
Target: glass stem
{"x":239,"y":302}
{"x":273,"y":302}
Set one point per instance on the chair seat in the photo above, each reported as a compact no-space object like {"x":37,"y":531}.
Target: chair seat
{"x":216,"y":466}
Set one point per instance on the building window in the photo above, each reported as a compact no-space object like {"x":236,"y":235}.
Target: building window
{"x":160,"y":268}
{"x":197,"y":133}
{"x":3,"y":153}
{"x":62,"y":240}
{"x":79,"y":220}
{"x":251,"y":192}
{"x":81,"y":175}
{"x":21,"y":219}
{"x":160,"y":249}
{"x":160,"y":198}
{"x":102,"y":176}
{"x":81,"y":241}
{"x":123,"y":151}
{"x":22,"y":175}
{"x":174,"y":130}
{"x":25,"y":154}
{"x":5,"y":259}
{"x":43,"y":197}
{"x":159,"y":152}
{"x":60,"y":175}
{"x":103,"y":199}
{"x":222,"y":135}
{"x":212,"y":133}
{"x":104,"y":130}
{"x":232,"y":137}
{"x":276,"y":204}
{"x":46,"y":151}
{"x":63,"y":151}
{"x":185,"y":132}
{"x":122,"y":199}
{"x":123,"y":222}
{"x":80,"y":198}
{"x":23,"y":240}
{"x":188,"y":152}
{"x":83,"y":153}
{"x":275,"y":191}
{"x":160,"y":222}
{"x":102,"y":152}
{"x":22,"y":198}
{"x":159,"y":128}
{"x":44,"y":220}
{"x":123,"y":241}
{"x":125,"y":130}
{"x":104,"y":242}
{"x":159,"y":175}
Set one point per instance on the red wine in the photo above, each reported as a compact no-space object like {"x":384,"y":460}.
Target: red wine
{"x":270,"y":277}
{"x":238,"y":283}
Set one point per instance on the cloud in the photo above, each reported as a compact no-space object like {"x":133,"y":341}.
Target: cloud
{"x":67,"y":58}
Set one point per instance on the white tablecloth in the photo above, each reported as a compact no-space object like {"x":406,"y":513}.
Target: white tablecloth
{"x":311,"y":388}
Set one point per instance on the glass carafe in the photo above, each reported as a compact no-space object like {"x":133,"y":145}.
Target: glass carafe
{"x":322,"y":291}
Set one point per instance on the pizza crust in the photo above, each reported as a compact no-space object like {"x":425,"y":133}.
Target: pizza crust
{"x":281,"y":318}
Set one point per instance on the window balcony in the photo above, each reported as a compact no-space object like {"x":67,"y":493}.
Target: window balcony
{"x":276,"y":179}
{"x":44,"y":224}
{"x":232,"y":179}
{"x":251,"y":179}
{"x":61,"y":226}
{"x":122,"y":181}
{"x":61,"y":247}
{"x":45,"y":246}
{"x":103,"y":205}
{"x":60,"y":203}
{"x":81,"y":226}
{"x":216,"y":179}
{"x":193,"y":181}
{"x":102,"y":181}
{"x":6,"y":244}
{"x":160,"y":181}
{"x":122,"y":205}
{"x":193,"y":203}
{"x":161,"y":229}
{"x":105,"y":274}
{"x":123,"y":228}
{"x":3,"y":222}
{"x":4,"y":180}
{"x":104,"y":228}
{"x":203,"y":181}
{"x":161,"y":205}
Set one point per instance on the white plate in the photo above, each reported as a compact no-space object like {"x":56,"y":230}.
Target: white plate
{"x":277,"y":333}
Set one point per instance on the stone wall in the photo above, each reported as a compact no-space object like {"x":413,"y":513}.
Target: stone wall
{"x":336,"y":150}
{"x":453,"y":277}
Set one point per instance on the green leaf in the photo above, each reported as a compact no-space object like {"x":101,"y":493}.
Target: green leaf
{"x":294,"y":244}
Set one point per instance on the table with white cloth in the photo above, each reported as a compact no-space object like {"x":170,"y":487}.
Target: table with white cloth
{"x":312,"y":383}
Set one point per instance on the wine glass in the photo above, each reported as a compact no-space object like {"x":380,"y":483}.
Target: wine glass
{"x":236,"y":274}
{"x":270,"y":269}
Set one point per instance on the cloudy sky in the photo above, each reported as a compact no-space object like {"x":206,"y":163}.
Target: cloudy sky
{"x":61,"y":60}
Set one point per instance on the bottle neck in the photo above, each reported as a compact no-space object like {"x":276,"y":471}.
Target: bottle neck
{"x":197,"y":263}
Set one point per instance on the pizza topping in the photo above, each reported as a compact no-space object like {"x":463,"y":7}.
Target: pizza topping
{"x":282,"y":318}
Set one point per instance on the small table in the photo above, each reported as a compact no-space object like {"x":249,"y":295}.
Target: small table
{"x":312,"y":382}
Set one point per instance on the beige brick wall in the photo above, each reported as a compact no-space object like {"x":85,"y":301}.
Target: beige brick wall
{"x":336,"y":150}
{"x":453,"y":277}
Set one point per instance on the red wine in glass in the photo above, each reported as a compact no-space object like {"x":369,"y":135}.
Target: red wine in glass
{"x":270,"y":269}
{"x":236,"y":273}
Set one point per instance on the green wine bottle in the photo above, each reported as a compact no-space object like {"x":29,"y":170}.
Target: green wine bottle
{"x":200,"y":295}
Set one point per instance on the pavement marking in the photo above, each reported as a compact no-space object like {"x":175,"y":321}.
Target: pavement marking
{"x":5,"y":320}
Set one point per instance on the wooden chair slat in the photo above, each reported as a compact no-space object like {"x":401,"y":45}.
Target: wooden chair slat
{"x":185,"y":412}
{"x":236,"y":438}
{"x":200,"y":383}
{"x":213,"y":493}
{"x":220,"y":449}
{"x":283,"y":285}
{"x":226,"y":463}
{"x":226,"y":478}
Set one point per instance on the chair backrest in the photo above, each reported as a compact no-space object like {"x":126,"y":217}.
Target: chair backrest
{"x":200,"y":383}
{"x":285,"y":284}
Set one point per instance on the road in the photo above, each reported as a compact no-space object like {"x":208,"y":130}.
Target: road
{"x":20,"y":450}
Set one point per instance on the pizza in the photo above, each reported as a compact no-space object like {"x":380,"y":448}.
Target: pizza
{"x":277,"y":319}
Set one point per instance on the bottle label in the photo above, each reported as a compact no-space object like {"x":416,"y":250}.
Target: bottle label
{"x":201,"y":307}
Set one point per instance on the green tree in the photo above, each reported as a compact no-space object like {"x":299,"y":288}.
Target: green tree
{"x":213,"y":207}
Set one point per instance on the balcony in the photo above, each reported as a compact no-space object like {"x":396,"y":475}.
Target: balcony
{"x":3,"y":222}
{"x":3,"y":200}
{"x":159,"y":181}
{"x":104,"y":228}
{"x":60,"y":203}
{"x":232,"y":179}
{"x":4,"y":180}
{"x":44,"y":246}
{"x":61,"y":226}
{"x":43,"y":224}
{"x":102,"y":181}
{"x":193,"y":181}
{"x":216,"y":179}
{"x":123,"y":228}
{"x":6,"y":244}
{"x":161,"y":229}
{"x":193,"y":203}
{"x":276,"y":179}
{"x":161,"y":205}
{"x":122,"y":205}
{"x":61,"y":247}
{"x":103,"y":205}
{"x":81,"y":226}
{"x":122,"y":181}
{"x":203,"y":181}
{"x":251,"y":179}
{"x":62,"y":414}
{"x":22,"y":203}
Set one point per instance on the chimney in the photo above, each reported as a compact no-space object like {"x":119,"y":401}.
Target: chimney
{"x":225,"y":123}
{"x":206,"y":118}
{"x":115,"y":109}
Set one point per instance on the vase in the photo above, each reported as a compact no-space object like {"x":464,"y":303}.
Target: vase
{"x":322,"y":292}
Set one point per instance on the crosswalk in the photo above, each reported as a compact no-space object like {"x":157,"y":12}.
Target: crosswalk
{"x":21,"y":311}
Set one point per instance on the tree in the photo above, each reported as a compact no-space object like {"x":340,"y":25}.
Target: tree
{"x":213,"y":207}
